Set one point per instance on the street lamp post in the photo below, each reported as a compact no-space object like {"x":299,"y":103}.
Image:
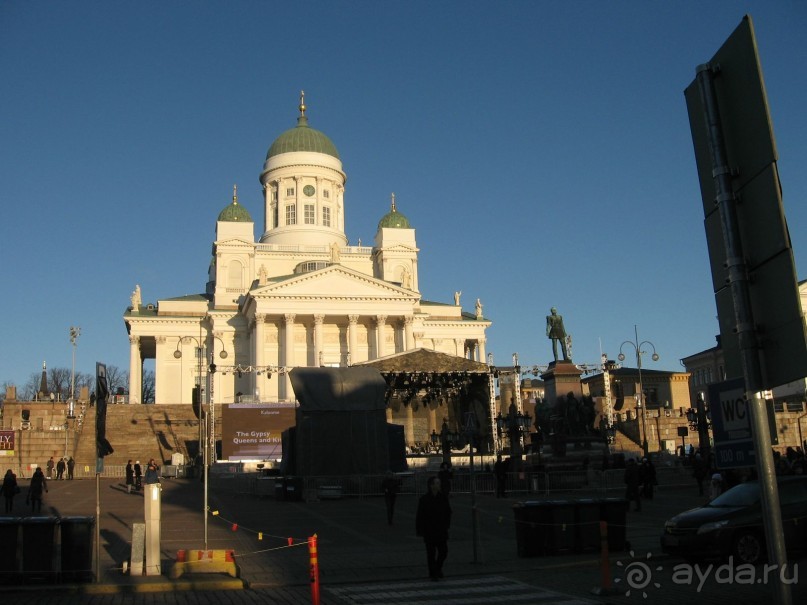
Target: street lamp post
{"x":640,"y":395}
{"x":515,"y":424}
{"x":446,"y":439}
{"x":75,"y":332}
{"x":199,"y":402}
{"x":700,"y":421}
{"x":207,"y":433}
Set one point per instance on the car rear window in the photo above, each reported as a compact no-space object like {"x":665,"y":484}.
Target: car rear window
{"x":744,"y":494}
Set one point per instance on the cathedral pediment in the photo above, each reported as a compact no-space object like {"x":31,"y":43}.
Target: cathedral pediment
{"x":235,"y":242}
{"x":335,"y":282}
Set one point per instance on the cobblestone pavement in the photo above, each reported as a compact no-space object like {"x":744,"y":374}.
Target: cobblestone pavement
{"x":363,"y":560}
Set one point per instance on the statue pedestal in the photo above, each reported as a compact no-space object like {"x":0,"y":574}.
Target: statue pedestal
{"x":560,"y":379}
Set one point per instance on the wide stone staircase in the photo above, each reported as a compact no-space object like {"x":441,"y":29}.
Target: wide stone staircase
{"x":625,"y":444}
{"x":140,"y":432}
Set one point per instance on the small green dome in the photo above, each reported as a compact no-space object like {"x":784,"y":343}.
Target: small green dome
{"x":302,"y":138}
{"x":235,"y":213}
{"x":394,"y":219}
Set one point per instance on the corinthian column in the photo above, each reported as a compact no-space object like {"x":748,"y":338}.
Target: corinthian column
{"x":318,"y":321}
{"x":352,"y":338}
{"x":135,"y":370}
{"x":288,"y":353}
{"x":260,"y":331}
{"x":481,"y":349}
{"x":409,"y":337}
{"x":381,"y":321}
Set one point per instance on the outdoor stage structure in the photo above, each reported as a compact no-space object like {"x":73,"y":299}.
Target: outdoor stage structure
{"x":341,"y":425}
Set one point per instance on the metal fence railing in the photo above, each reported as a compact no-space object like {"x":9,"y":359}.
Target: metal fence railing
{"x":232,"y":480}
{"x":590,"y":482}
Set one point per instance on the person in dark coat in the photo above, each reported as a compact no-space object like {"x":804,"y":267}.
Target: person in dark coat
{"x":9,"y":489}
{"x":699,"y":471}
{"x":446,"y":476}
{"x":71,"y":465}
{"x":138,"y":471}
{"x":152,"y":473}
{"x":60,"y":467}
{"x":648,"y":475}
{"x":432,"y":522}
{"x":632,"y":482}
{"x":35,"y":489}
{"x":129,"y":477}
{"x":51,"y":466}
{"x":390,"y":486}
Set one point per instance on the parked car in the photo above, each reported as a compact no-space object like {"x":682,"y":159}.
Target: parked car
{"x":732,"y":525}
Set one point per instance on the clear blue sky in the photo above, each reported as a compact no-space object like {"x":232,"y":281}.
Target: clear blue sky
{"x":540,"y":149}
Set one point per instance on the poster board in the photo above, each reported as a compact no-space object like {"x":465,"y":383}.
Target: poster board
{"x":252,"y":431}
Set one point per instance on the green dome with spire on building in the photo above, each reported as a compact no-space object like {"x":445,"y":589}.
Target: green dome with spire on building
{"x":394,"y":219}
{"x":235,"y":212}
{"x":302,"y":138}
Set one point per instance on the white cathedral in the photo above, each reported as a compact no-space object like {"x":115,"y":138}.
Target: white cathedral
{"x":299,"y":296}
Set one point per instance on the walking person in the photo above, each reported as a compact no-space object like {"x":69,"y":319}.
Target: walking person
{"x":51,"y":465}
{"x":35,"y":489}
{"x":390,"y":486}
{"x":60,"y":467}
{"x":138,"y":476}
{"x":446,"y":476}
{"x":432,"y":521}
{"x":632,"y":482}
{"x":648,"y":475}
{"x":129,"y":477}
{"x":10,"y":489}
{"x":699,"y":472}
{"x":71,"y":465}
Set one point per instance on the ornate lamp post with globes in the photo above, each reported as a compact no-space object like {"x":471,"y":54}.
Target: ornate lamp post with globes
{"x":74,"y":334}
{"x":640,"y":403}
{"x":207,"y":429}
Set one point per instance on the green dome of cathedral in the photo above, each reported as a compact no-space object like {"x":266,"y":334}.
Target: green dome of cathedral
{"x":302,"y":138}
{"x":235,"y":213}
{"x":394,"y":219}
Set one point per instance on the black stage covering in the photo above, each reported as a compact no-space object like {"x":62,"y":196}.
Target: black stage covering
{"x":341,"y":425}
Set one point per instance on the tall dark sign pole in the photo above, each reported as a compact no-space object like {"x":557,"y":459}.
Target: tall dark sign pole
{"x":103,"y":448}
{"x":761,"y":324}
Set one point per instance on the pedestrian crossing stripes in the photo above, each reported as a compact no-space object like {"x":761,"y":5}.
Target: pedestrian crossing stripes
{"x":459,"y":591}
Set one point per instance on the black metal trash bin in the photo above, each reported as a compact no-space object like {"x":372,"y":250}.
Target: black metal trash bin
{"x":9,"y":536}
{"x":614,"y":513}
{"x":280,"y":488}
{"x":530,"y":532}
{"x":293,"y":488}
{"x":559,"y":526}
{"x":38,"y":548}
{"x":587,"y":512}
{"x":77,"y":539}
